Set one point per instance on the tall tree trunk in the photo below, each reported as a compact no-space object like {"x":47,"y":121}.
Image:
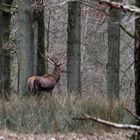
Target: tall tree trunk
{"x":41,"y":44}
{"x":73,"y":50}
{"x":35,"y":45}
{"x":25,"y":43}
{"x":39,"y":34}
{"x":113,"y":53}
{"x":137,"y":62}
{"x":5,"y":53}
{"x":0,"y":53}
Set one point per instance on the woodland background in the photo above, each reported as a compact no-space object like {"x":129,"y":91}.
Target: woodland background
{"x":49,"y":24}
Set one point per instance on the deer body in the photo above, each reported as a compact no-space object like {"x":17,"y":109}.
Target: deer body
{"x":46,"y":82}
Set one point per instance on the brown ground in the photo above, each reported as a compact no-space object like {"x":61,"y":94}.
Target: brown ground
{"x":126,"y":135}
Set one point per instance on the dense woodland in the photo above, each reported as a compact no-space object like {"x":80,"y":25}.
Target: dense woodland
{"x":92,"y":46}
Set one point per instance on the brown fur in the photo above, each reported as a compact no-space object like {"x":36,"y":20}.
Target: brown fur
{"x":46,"y":82}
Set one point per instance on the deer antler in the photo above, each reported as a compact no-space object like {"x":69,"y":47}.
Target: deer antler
{"x":49,"y":57}
{"x":52,"y":59}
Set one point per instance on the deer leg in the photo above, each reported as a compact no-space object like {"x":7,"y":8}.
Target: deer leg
{"x":36,"y":87}
{"x":48,"y":93}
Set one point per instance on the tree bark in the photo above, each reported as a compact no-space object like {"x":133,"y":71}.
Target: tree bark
{"x":39,"y":34}
{"x":5,"y":52}
{"x":73,"y":44}
{"x":113,"y":64}
{"x":41,"y":44}
{"x":0,"y":52}
{"x":26,"y":49}
{"x":137,"y":62}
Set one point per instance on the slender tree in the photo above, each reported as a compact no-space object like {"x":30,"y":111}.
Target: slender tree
{"x":137,"y":62}
{"x":39,"y":35}
{"x":0,"y":52}
{"x":25,"y":39}
{"x":5,"y":52}
{"x":113,"y":64}
{"x":41,"y":44}
{"x":73,"y":50}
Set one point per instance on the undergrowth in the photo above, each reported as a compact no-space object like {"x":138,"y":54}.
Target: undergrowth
{"x":47,"y":114}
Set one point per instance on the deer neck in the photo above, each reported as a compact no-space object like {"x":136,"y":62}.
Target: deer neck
{"x":56,"y":73}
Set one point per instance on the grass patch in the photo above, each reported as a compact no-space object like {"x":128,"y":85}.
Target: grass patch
{"x":54,"y":113}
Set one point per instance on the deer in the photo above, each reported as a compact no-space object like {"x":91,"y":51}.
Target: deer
{"x":46,"y":82}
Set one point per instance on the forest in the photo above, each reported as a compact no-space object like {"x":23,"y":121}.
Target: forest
{"x":70,"y":69}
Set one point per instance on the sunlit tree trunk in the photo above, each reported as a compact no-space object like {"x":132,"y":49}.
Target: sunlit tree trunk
{"x":73,"y":50}
{"x":25,"y":38}
{"x":113,"y":64}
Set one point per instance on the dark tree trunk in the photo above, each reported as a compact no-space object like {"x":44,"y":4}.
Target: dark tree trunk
{"x":0,"y":52}
{"x":39,"y":34}
{"x":5,"y":52}
{"x":73,"y":44}
{"x":137,"y":62}
{"x":41,"y":45}
{"x":113,"y":64}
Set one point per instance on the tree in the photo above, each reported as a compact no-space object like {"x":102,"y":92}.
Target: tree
{"x":25,"y":39}
{"x":41,"y":45}
{"x":73,"y":50}
{"x":113,"y":53}
{"x":0,"y":52}
{"x":137,"y":62}
{"x":5,"y":17}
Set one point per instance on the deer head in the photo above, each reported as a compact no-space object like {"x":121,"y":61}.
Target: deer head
{"x":55,"y":61}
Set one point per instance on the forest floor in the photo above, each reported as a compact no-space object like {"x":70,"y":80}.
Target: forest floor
{"x":116,"y":135}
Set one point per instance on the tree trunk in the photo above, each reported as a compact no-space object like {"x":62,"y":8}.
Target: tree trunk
{"x":39,"y":34}
{"x":73,"y":50}
{"x":137,"y":62}
{"x":0,"y":52}
{"x":35,"y":45}
{"x":41,"y":44}
{"x":5,"y":52}
{"x":113,"y":64}
{"x":25,"y":43}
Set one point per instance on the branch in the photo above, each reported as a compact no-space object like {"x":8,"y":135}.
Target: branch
{"x":6,"y":7}
{"x":108,"y":123}
{"x":127,"y":32}
{"x":118,"y":5}
{"x":131,"y":113}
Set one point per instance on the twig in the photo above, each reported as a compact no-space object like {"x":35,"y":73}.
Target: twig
{"x":131,"y":113}
{"x":108,"y":123}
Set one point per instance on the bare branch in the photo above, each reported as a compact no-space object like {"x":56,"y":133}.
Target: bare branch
{"x":48,"y":57}
{"x":7,"y":8}
{"x":108,"y":123}
{"x":127,"y":32}
{"x":118,"y":5}
{"x":131,"y":113}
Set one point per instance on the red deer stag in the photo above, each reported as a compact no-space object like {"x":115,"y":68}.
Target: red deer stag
{"x":46,"y":82}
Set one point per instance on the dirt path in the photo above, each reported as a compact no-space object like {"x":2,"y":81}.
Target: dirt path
{"x":6,"y":135}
